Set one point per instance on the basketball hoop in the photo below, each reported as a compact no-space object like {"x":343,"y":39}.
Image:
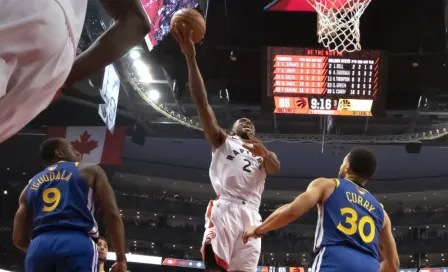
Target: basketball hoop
{"x":338,"y":23}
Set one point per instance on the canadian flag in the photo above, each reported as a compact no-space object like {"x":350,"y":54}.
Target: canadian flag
{"x":96,"y":144}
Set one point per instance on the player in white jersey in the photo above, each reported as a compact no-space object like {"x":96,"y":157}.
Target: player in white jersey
{"x":38,"y":49}
{"x":238,"y":170}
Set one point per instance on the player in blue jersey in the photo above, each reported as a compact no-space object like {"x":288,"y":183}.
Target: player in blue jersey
{"x":353,"y":231}
{"x":56,"y":211}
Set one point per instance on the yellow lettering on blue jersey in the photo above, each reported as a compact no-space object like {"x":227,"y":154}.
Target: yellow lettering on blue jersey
{"x":52,"y":176}
{"x":358,"y":199}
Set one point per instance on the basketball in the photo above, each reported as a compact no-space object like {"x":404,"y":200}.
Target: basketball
{"x":192,"y":19}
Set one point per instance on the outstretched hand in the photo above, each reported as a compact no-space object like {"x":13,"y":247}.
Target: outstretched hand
{"x":182,"y":33}
{"x":258,"y":148}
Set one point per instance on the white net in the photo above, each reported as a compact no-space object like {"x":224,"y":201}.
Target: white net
{"x":338,"y":23}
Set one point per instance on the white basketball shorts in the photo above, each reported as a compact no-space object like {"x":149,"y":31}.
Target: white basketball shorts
{"x":226,"y":220}
{"x":36,"y":56}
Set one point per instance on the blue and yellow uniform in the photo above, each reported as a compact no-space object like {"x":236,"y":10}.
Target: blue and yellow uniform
{"x":61,"y":205}
{"x":348,"y":229}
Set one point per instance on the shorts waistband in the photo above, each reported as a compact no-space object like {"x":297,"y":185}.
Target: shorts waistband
{"x":238,"y":201}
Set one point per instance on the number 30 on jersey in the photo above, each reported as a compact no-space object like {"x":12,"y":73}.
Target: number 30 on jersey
{"x":351,"y":219}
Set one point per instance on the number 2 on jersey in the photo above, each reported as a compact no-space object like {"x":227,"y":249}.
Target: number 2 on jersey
{"x":51,"y":197}
{"x":351,"y":219}
{"x":248,"y":164}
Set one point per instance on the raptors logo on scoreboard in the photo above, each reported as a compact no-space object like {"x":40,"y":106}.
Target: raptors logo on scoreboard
{"x":301,"y":102}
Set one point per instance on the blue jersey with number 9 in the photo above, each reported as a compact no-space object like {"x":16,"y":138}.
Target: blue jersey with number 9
{"x":60,"y":199}
{"x":352,"y":217}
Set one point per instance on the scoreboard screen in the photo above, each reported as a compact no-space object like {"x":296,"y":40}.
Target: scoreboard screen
{"x":322,"y":82}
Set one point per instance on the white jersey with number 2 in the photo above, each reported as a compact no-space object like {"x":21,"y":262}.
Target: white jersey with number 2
{"x":236,"y":173}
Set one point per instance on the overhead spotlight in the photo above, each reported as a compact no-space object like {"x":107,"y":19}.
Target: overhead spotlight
{"x":142,"y":70}
{"x":134,"y":54}
{"x":154,"y":95}
{"x":5,"y":192}
{"x":232,"y":56}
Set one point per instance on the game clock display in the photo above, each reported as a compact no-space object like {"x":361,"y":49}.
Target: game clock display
{"x":321,"y":82}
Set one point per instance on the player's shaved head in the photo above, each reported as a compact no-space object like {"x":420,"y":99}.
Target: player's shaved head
{"x":48,"y":150}
{"x":56,"y":149}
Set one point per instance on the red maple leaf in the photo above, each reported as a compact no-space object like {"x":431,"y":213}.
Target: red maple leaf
{"x":84,"y":146}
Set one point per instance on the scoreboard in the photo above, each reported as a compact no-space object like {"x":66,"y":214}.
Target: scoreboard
{"x":322,"y":82}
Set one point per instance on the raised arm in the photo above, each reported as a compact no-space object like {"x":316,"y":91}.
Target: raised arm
{"x":22,"y":225}
{"x":130,"y":27}
{"x":388,"y":248}
{"x":213,"y":132}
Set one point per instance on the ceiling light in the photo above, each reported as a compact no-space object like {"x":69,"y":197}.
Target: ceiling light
{"x":24,"y":173}
{"x":287,"y":254}
{"x":190,"y":218}
{"x":174,"y":245}
{"x":154,"y":95}
{"x":142,"y":71}
{"x":5,"y":192}
{"x":174,"y":216}
{"x":120,"y":210}
{"x":135,"y":241}
{"x":121,"y":214}
{"x":138,"y":212}
{"x":7,"y":169}
{"x":441,"y":254}
{"x":138,"y":216}
{"x":410,"y":227}
{"x":409,"y":195}
{"x":155,"y":214}
{"x":134,"y":54}
{"x":443,"y":225}
{"x":191,"y":247}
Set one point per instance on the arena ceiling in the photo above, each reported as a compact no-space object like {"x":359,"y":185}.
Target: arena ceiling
{"x":409,"y":32}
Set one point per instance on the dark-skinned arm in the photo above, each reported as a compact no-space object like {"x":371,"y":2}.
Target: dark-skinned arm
{"x":388,"y":248}
{"x":271,"y":164}
{"x":112,"y":218}
{"x":130,"y":27}
{"x":294,"y":210}
{"x":213,"y":132}
{"x":22,"y":225}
